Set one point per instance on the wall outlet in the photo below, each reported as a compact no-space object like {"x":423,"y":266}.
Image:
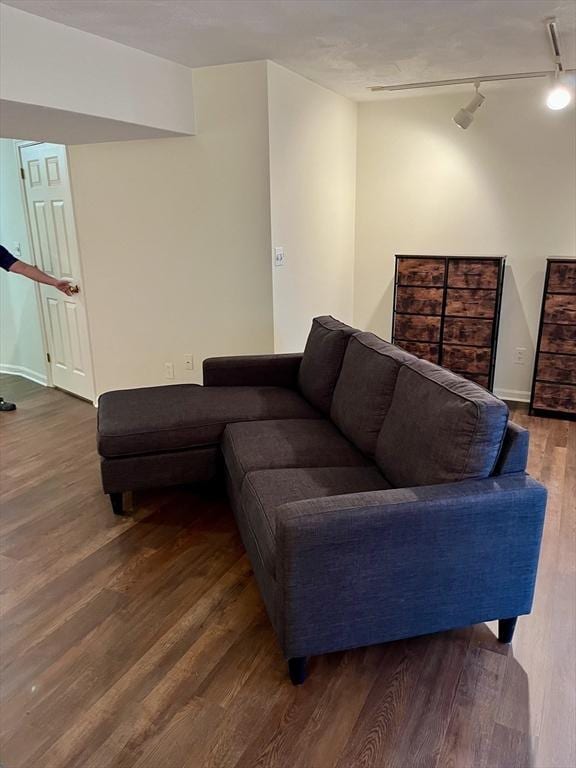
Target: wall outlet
{"x":188,"y":362}
{"x":279,"y":257}
{"x":520,"y":356}
{"x":169,"y":370}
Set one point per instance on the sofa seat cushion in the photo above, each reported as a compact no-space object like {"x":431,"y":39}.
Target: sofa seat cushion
{"x":154,"y":419}
{"x":264,"y":492}
{"x":440,"y":428}
{"x":285,"y":444}
{"x":365,"y":387}
{"x":322,"y":360}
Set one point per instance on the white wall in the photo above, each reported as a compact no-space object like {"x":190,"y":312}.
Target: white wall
{"x":504,"y":186}
{"x":174,"y":236}
{"x":51,"y":65}
{"x":312,"y":192}
{"x":21,"y":347}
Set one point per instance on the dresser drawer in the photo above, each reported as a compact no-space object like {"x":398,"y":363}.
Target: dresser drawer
{"x":472,"y":273}
{"x":555,"y":397}
{"x":562,"y":278}
{"x":415,"y":328}
{"x":560,"y":368}
{"x":421,"y":271}
{"x":466,"y":359}
{"x":462,"y":302}
{"x":558,"y":338}
{"x":560,"y":308}
{"x":474,"y":333}
{"x":422,"y":349}
{"x":419,"y":301}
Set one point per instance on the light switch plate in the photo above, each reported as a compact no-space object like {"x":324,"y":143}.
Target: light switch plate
{"x":279,"y":257}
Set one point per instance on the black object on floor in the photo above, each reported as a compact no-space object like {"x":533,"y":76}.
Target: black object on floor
{"x":506,"y":629}
{"x":298,"y":669}
{"x":117,"y":503}
{"x":4,"y":406}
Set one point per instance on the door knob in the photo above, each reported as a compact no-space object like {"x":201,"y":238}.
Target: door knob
{"x":74,"y":289}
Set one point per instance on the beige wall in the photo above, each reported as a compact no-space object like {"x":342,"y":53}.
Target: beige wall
{"x":504,"y":186}
{"x":312,"y":190}
{"x":174,"y":236}
{"x":21,"y":347}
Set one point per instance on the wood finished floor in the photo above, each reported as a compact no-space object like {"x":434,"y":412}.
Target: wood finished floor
{"x":143,"y":643}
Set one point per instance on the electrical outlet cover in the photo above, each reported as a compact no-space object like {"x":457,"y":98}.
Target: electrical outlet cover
{"x":279,"y":257}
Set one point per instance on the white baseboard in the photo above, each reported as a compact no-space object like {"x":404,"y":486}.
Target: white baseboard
{"x":26,"y":373}
{"x":517,"y":395}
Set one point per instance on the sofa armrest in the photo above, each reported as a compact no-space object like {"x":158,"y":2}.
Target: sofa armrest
{"x":252,"y":370}
{"x":365,"y":568}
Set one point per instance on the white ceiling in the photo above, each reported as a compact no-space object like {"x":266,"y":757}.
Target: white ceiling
{"x":345,"y":45}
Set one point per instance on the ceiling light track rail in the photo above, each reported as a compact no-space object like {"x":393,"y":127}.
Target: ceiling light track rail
{"x":465,"y":80}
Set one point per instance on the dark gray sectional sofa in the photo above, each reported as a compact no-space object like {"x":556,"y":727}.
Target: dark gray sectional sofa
{"x":379,"y":496}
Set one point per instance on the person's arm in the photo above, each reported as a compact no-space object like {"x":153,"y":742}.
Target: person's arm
{"x":22,"y":268}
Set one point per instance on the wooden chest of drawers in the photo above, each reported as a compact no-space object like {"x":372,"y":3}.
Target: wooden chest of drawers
{"x":446,"y":309}
{"x":554,"y":382}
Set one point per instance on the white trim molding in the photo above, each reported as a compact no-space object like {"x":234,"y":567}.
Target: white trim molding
{"x":26,"y":373}
{"x":517,"y":395}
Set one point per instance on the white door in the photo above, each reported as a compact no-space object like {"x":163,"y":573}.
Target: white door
{"x":55,"y":249}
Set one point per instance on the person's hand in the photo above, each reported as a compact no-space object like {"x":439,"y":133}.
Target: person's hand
{"x":65,"y":287}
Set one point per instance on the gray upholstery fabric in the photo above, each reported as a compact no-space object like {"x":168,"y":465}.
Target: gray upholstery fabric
{"x":283,"y":444}
{"x":343,"y":559}
{"x":154,"y":419}
{"x":156,"y":470}
{"x":373,"y":567}
{"x":322,"y":360}
{"x":252,"y":370}
{"x":440,"y":428}
{"x":266,"y":583}
{"x":265,"y":491}
{"x":514,"y":454}
{"x":365,"y":387}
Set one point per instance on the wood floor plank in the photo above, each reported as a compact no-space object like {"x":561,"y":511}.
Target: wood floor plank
{"x":469,"y":736}
{"x":143,"y":641}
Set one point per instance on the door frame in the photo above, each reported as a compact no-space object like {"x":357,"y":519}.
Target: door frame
{"x":18,"y":144}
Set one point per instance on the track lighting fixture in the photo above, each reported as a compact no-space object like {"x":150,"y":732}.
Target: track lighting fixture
{"x":559,"y":95}
{"x":464,"y":117}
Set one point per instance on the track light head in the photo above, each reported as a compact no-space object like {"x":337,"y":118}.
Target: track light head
{"x":464,"y":117}
{"x":560,"y":93}
{"x":558,"y":97}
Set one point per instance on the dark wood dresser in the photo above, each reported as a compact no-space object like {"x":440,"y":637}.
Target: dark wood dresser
{"x":554,"y":381}
{"x":447,"y":309}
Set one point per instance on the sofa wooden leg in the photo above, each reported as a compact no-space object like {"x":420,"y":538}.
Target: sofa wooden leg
{"x":298,"y":670}
{"x":506,"y":629}
{"x":117,"y":502}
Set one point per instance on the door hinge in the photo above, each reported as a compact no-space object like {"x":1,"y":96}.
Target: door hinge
{"x":48,"y":357}
{"x":22,"y":174}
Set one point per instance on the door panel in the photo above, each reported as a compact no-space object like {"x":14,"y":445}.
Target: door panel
{"x":55,"y":250}
{"x":57,"y":337}
{"x":62,"y":247}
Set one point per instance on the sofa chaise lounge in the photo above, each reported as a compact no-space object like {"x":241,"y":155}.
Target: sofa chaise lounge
{"x":378,"y":496}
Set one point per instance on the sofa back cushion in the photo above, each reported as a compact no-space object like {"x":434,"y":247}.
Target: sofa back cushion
{"x":440,"y":428}
{"x":322,"y":360}
{"x":365,"y":387}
